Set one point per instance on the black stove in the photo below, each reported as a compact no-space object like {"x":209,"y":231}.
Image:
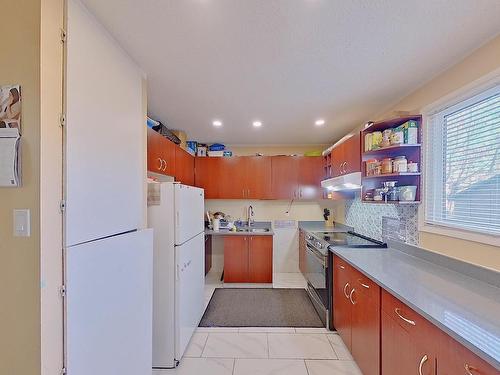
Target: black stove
{"x":349,"y":239}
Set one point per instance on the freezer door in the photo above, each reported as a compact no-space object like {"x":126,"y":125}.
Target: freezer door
{"x":189,"y":212}
{"x":189,"y":290}
{"x":109,"y":299}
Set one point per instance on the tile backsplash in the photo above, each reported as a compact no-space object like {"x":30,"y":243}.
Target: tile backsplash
{"x":366,"y":218}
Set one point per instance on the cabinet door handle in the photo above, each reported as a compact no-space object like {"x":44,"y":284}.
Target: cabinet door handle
{"x":342,"y":267}
{"x":345,"y":167}
{"x":422,"y":361}
{"x":340,"y":167}
{"x":243,"y":192}
{"x":161,"y":164}
{"x":345,"y":290}
{"x":350,"y":297}
{"x":164,"y":165}
{"x":300,"y":193}
{"x":363,"y":285}
{"x":248,"y":193}
{"x":469,"y":369}
{"x":397,"y":310}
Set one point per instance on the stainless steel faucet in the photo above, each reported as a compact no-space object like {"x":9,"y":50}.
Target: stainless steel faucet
{"x":250,"y":215}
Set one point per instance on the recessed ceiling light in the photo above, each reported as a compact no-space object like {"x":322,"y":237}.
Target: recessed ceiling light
{"x":257,"y":124}
{"x":319,"y":122}
{"x":217,"y":123}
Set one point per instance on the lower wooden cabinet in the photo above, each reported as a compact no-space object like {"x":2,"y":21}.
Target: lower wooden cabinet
{"x":387,"y":337}
{"x":409,"y":342}
{"x":248,"y":259}
{"x":357,"y":315}
{"x":454,"y":358}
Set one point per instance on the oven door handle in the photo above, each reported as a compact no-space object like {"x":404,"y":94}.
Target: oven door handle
{"x":316,"y":253}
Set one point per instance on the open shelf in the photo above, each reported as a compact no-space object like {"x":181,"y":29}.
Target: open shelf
{"x":392,"y":148}
{"x":412,"y":152}
{"x":392,"y":202}
{"x":393,"y":175}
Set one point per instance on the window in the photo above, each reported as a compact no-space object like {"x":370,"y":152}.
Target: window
{"x":462,"y":189}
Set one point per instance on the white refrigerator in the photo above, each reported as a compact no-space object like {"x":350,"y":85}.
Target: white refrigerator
{"x":178,"y":275}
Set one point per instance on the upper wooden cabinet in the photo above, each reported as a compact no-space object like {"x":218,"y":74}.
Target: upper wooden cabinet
{"x":258,"y":177}
{"x":311,"y":172}
{"x":346,"y":157}
{"x":285,"y":175}
{"x":206,"y":176}
{"x":184,"y":167}
{"x":245,"y":177}
{"x":161,"y":154}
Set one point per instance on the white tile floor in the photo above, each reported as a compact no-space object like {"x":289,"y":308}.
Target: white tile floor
{"x":265,"y":351}
{"x":261,"y":350}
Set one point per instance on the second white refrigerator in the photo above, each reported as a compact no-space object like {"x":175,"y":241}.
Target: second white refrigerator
{"x":176,"y":216}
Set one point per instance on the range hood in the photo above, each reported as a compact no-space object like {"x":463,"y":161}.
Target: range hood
{"x":351,"y":181}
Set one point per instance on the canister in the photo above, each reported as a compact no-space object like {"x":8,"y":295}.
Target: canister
{"x":400,"y":164}
{"x":386,"y":165}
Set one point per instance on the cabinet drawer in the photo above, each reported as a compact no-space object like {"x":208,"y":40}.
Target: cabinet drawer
{"x":365,"y":285}
{"x":407,"y":318}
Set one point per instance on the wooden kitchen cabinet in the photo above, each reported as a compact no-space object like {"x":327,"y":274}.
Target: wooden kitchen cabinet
{"x":232,"y":178}
{"x":248,"y":259}
{"x":258,"y":177}
{"x":357,"y":315}
{"x":342,"y":311}
{"x":311,"y":172}
{"x":245,"y":177}
{"x":284,"y":177}
{"x":454,"y":358}
{"x":409,"y":342}
{"x":260,"y":259}
{"x":235,"y":259}
{"x":184,"y":167}
{"x":161,"y":153}
{"x":207,"y":176}
{"x":346,"y":157}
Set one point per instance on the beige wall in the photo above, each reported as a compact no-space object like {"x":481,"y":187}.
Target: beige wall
{"x":20,"y":257}
{"x":483,"y":61}
{"x":52,"y":18}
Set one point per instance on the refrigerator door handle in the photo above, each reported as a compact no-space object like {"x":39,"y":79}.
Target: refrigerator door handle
{"x":177,"y":275}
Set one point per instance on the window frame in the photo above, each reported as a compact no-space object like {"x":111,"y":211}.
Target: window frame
{"x":460,"y":98}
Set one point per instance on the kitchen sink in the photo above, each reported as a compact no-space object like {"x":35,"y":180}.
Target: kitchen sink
{"x":253,"y":230}
{"x":258,"y":230}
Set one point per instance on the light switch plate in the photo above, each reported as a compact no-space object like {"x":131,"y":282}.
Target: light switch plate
{"x":22,"y":223}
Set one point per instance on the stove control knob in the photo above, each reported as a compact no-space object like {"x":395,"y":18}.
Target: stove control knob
{"x":319,"y":245}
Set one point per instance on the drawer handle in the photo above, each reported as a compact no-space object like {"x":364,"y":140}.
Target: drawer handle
{"x":422,"y":361}
{"x":345,"y":292}
{"x":398,"y":312}
{"x":469,"y":369}
{"x":350,"y":296}
{"x":363,"y":285}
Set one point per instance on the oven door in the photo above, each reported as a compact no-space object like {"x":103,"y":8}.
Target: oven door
{"x":316,"y":272}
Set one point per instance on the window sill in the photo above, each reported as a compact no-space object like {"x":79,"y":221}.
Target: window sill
{"x":461,"y":234}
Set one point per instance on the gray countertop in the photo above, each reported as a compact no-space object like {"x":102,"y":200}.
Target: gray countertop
{"x":257,"y":224}
{"x":319,"y":226}
{"x":466,"y":305}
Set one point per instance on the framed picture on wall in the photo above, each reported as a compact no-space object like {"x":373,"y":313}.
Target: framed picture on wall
{"x":10,"y":107}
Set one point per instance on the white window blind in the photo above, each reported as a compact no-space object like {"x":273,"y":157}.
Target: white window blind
{"x":462,"y":188}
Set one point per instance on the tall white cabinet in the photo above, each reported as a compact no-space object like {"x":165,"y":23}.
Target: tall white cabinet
{"x":108,"y":256}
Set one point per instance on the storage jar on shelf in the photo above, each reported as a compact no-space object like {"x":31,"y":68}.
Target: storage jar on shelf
{"x":400,"y":164}
{"x":386,"y":166}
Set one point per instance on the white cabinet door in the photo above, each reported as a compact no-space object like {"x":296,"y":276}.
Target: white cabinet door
{"x":189,"y":290}
{"x":109,"y":302}
{"x":105,"y":143}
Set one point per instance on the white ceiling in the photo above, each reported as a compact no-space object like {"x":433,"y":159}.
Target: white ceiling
{"x":289,"y":62}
